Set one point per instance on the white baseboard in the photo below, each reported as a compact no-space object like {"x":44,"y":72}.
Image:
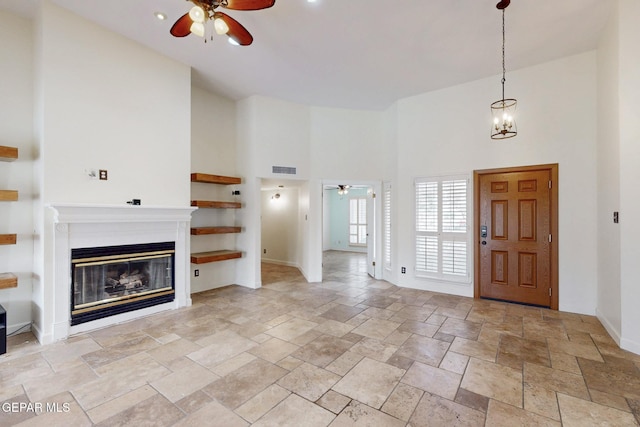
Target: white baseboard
{"x":40,"y":336}
{"x":614,"y":332}
{"x":279,"y":262}
{"x":357,"y":251}
{"x":629,"y":345}
{"x":304,"y":274}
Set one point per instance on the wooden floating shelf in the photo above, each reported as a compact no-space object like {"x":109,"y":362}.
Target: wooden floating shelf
{"x":8,"y":195}
{"x":8,"y":154}
{"x":8,"y":280}
{"x":8,"y":239}
{"x":199,"y":231}
{"x":216,"y":205}
{"x":214,"y":179}
{"x":214,"y":256}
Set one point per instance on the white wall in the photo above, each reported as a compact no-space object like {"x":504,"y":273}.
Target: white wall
{"x":346,"y":144}
{"x":447,"y":132}
{"x":280,"y":226}
{"x":213,"y":133}
{"x":629,"y":63}
{"x":103,"y":102}
{"x":16,"y":123}
{"x":310,"y":234}
{"x":213,"y":151}
{"x":270,"y":133}
{"x":248,"y":267}
{"x":609,"y":122}
{"x":281,"y":136}
{"x":112,"y":104}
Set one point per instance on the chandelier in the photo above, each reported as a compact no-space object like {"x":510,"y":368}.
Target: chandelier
{"x":503,"y":111}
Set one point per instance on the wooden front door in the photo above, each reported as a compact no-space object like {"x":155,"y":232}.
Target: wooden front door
{"x":516,"y":229}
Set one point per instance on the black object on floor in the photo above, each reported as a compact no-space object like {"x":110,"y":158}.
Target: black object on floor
{"x":3,"y":330}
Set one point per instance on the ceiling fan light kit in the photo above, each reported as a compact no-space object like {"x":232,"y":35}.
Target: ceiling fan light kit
{"x":504,"y":111}
{"x":197,"y":28}
{"x":343,"y":189}
{"x":203,"y":11}
{"x":220,"y":26}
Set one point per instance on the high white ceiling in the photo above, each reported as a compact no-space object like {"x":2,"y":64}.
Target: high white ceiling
{"x":361,"y":54}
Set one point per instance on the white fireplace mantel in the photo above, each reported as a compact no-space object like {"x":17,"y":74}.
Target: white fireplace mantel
{"x":83,"y":225}
{"x":81,"y":213}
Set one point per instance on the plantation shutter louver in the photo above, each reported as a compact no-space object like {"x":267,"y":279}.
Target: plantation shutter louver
{"x":387,"y":225}
{"x":442,"y":236}
{"x":358,"y":221}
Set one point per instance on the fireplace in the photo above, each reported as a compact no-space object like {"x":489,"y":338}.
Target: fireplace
{"x":78,"y":227}
{"x":116,"y":279}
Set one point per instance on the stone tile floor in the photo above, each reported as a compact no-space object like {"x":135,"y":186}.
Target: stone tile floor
{"x":348,"y":351}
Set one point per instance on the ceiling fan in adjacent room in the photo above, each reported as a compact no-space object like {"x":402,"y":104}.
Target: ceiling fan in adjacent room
{"x":342,"y":189}
{"x":203,"y":11}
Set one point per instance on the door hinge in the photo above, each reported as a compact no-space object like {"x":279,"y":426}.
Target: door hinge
{"x":550,"y":184}
{"x":550,"y":238}
{"x":373,"y":195}
{"x":373,"y":263}
{"x":549,"y":291}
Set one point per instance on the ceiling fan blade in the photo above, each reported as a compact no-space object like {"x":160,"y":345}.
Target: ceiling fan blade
{"x":236,"y":31}
{"x":249,"y":4}
{"x":503,"y":4}
{"x":182,"y":27}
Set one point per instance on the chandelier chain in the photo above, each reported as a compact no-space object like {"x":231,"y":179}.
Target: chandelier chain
{"x":504,"y":69}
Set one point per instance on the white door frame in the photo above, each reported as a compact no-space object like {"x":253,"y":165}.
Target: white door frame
{"x":376,"y":186}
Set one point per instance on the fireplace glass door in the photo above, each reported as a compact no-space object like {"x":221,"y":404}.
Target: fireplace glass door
{"x":110,"y":284}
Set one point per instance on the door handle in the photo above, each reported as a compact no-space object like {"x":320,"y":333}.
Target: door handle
{"x":483,"y":234}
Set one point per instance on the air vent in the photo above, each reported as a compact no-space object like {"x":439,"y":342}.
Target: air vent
{"x":283,"y":169}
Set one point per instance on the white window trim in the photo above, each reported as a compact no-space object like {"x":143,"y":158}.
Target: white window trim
{"x":466,"y":237}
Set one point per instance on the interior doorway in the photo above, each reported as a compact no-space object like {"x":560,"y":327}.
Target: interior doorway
{"x":280,"y":223}
{"x":349,"y":229}
{"x":516,"y":225}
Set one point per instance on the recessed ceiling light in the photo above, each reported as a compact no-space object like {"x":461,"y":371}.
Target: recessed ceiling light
{"x":161,"y":16}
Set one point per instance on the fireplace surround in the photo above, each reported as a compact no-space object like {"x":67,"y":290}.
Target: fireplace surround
{"x":78,"y":226}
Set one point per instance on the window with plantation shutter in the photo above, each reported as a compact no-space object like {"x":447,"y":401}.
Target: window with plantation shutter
{"x":442,"y":231}
{"x":386,"y":208}
{"x":358,"y":221}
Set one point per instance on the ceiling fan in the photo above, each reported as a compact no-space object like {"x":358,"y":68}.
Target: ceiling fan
{"x":342,"y":189}
{"x":203,"y":10}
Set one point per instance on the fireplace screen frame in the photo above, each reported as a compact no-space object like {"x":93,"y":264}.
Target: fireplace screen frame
{"x":105,"y":255}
